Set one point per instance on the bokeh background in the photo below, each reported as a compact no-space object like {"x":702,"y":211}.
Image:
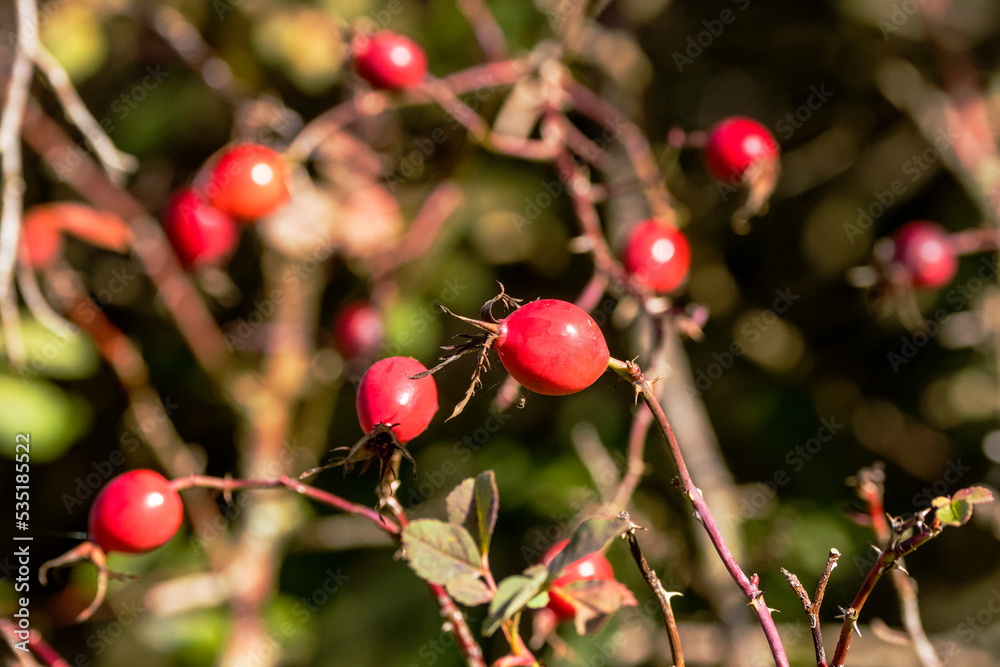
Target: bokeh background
{"x":851,"y":91}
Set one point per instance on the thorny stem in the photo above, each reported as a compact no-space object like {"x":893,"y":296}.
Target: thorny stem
{"x":812,"y":607}
{"x":454,"y":619}
{"x":633,"y":374}
{"x":886,"y":559}
{"x":871,"y":489}
{"x":661,"y":594}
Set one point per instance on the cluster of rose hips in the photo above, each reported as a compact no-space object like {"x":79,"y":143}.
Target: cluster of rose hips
{"x":549,"y":346}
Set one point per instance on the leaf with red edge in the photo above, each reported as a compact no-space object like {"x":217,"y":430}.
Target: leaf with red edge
{"x":474,"y":504}
{"x":957,"y":510}
{"x":440,"y":552}
{"x":592,"y":535}
{"x":974,"y":495}
{"x":595,"y":601}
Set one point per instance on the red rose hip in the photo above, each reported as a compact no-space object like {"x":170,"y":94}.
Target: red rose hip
{"x":200,"y":234}
{"x":248,"y":181}
{"x":358,"y":330}
{"x":135,"y":512}
{"x":657,"y":256}
{"x":552,"y":347}
{"x":734,"y":145}
{"x":390,"y":61}
{"x":924,"y":250}
{"x":594,"y":566}
{"x":387,"y":395}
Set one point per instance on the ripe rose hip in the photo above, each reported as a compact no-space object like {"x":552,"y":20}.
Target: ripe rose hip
{"x":552,"y":347}
{"x":657,"y":255}
{"x":135,"y":512}
{"x":248,"y":181}
{"x":924,"y":250}
{"x":357,"y":330}
{"x":387,"y":395}
{"x":200,"y":234}
{"x":591,"y":567}
{"x":736,"y":144}
{"x":390,"y":61}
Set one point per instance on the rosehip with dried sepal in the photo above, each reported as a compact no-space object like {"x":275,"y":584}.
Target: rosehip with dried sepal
{"x":387,"y":395}
{"x":389,"y":60}
{"x":135,"y":512}
{"x":657,"y":256}
{"x":552,"y":347}
{"x":549,"y":346}
{"x":248,"y":181}
{"x":736,"y":145}
{"x":201,"y":234}
{"x":925,"y":252}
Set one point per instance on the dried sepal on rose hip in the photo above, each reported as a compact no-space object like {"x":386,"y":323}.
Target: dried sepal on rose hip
{"x":135,"y":512}
{"x":742,"y":155}
{"x":393,"y":408}
{"x":549,"y":346}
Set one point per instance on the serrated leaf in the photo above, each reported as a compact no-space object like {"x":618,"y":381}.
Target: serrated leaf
{"x":468,"y":590}
{"x":974,"y":495}
{"x":513,"y":594}
{"x":953,"y":512}
{"x":474,"y":504}
{"x":439,"y":552}
{"x":592,"y":535}
{"x":595,"y":600}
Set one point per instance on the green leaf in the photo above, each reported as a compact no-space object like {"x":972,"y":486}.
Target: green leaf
{"x":539,"y":601}
{"x":595,"y":600}
{"x":51,"y":418}
{"x":513,"y":594}
{"x":69,"y":356}
{"x":439,"y":552}
{"x":474,"y":504}
{"x":468,"y":590}
{"x":592,"y":535}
